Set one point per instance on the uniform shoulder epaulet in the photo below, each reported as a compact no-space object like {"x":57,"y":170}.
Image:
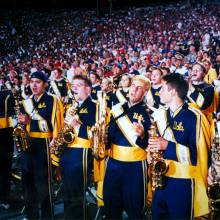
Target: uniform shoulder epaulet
{"x":53,"y":95}
{"x":94,"y":101}
{"x":164,"y":107}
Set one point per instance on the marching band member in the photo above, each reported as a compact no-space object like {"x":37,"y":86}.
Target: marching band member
{"x":76,"y":161}
{"x":153,"y":98}
{"x":25,"y":87}
{"x":95,"y":80}
{"x":122,"y":93}
{"x":201,"y":94}
{"x":126,"y":169}
{"x":58,"y":85}
{"x":6,"y":146}
{"x":185,"y":148}
{"x":107,"y":86}
{"x":43,"y":115}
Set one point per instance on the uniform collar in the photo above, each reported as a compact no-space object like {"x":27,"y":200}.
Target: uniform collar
{"x":178,"y":110}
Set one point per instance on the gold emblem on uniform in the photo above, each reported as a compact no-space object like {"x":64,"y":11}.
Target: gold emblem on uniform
{"x":93,"y":91}
{"x":42,"y":105}
{"x":157,"y":93}
{"x":83,"y":111}
{"x":139,"y":117}
{"x":178,"y":126}
{"x":60,"y":84}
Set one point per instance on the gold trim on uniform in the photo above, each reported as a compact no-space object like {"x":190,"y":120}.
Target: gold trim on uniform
{"x":40,"y":134}
{"x":129,"y":154}
{"x":6,"y":122}
{"x":80,"y":143}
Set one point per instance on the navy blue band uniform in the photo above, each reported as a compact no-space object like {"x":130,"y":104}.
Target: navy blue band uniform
{"x":126,"y":168}
{"x":46,"y":116}
{"x":153,"y":94}
{"x":26,"y":91}
{"x":188,"y":135}
{"x":6,"y":143}
{"x":58,"y":87}
{"x":76,"y":162}
{"x":121,"y":96}
{"x":94,"y":91}
{"x":203,"y":97}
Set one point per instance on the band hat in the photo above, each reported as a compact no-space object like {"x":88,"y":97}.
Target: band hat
{"x":39,"y":75}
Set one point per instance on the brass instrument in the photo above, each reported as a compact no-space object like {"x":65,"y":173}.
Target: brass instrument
{"x":19,"y":133}
{"x":214,"y":188}
{"x":159,"y":165}
{"x":66,"y":134}
{"x":98,"y":131}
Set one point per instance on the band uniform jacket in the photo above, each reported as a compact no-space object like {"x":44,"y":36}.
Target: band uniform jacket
{"x":94,"y":91}
{"x":188,"y":135}
{"x":58,"y":87}
{"x":46,"y":116}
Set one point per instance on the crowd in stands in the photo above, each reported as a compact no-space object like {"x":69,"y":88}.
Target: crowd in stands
{"x":126,"y":41}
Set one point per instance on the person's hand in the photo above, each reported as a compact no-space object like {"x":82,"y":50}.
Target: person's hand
{"x":72,"y":121}
{"x":156,"y":144}
{"x":50,"y":146}
{"x":211,"y":178}
{"x":149,"y":157}
{"x":139,"y":128}
{"x":23,"y":119}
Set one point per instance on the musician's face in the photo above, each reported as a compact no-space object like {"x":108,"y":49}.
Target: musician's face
{"x":165,"y":93}
{"x":125,"y":81}
{"x":197,"y":73}
{"x":137,"y":91}
{"x":80,"y":89}
{"x":93,"y":79}
{"x":37,"y":86}
{"x":57,"y":74}
{"x":105,"y":85}
{"x":156,"y":77}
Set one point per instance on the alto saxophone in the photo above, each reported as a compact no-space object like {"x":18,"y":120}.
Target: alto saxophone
{"x":19,"y":133}
{"x":66,"y":134}
{"x":159,"y":165}
{"x":98,"y":131}
{"x":214,"y":188}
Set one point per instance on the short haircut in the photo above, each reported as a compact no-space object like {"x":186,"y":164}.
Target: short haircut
{"x":59,"y":70}
{"x":95,"y":74}
{"x":83,"y":78}
{"x":178,"y":82}
{"x":201,"y":65}
{"x":158,"y":69}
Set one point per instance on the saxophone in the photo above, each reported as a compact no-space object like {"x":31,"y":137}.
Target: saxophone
{"x":98,"y":131}
{"x":214,"y":187}
{"x":19,"y":133}
{"x":66,"y":134}
{"x":159,"y":165}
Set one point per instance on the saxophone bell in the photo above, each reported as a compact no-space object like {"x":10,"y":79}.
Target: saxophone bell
{"x":160,"y":166}
{"x":68,"y":137}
